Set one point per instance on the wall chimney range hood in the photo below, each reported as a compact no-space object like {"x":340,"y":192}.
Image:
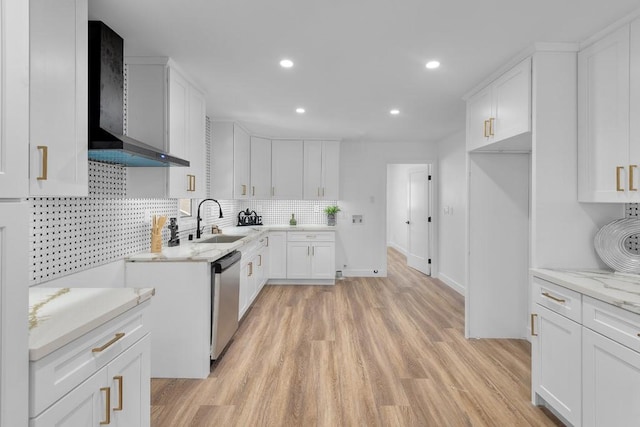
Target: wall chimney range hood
{"x":107,"y":143}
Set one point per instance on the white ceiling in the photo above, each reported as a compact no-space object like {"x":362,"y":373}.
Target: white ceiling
{"x":354,"y":59}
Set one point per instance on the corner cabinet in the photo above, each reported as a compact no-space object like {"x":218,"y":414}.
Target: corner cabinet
{"x":501,"y":111}
{"x":260,"y":168}
{"x":230,"y":161}
{"x":165,"y":110}
{"x":321,"y":170}
{"x":58,"y":98}
{"x":608,"y":96}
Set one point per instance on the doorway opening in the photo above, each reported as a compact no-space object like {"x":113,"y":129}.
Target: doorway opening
{"x":409,"y":213}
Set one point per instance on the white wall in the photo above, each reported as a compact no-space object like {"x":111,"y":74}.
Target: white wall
{"x":453,"y":198}
{"x":363,"y":190}
{"x":397,"y":193}
{"x":562,"y":229}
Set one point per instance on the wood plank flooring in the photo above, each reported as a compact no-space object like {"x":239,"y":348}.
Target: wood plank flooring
{"x":366,"y":352}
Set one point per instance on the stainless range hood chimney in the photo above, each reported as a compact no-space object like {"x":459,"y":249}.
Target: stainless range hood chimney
{"x":106,"y":82}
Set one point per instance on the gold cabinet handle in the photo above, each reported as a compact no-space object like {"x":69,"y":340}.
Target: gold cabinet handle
{"x":191,"y":183}
{"x":322,"y":191}
{"x":313,"y":251}
{"x":267,"y":245}
{"x":556,"y":299}
{"x":618,"y":169}
{"x":533,"y":316}
{"x":250,"y":270}
{"x":253,"y":190}
{"x":491,"y":120}
{"x":631,"y":168}
{"x":486,"y":135}
{"x":193,"y":188}
{"x":120,"y":381}
{"x":244,"y":189}
{"x":45,"y":162}
{"x":318,"y":191}
{"x":107,"y":412}
{"x":259,"y":260}
{"x":118,"y":337}
{"x":308,"y":250}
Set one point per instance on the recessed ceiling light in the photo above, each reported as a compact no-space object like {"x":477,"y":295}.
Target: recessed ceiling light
{"x":394,"y":112}
{"x":432,"y":65}
{"x":286,"y":63}
{"x":300,"y":110}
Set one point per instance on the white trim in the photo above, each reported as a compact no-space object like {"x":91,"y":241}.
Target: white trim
{"x":610,"y":28}
{"x":452,"y":283}
{"x":273,"y":138}
{"x":397,"y":247}
{"x":301,"y":282}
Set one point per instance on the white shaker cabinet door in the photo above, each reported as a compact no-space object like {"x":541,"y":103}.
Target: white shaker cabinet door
{"x":603,"y":120}
{"x":478,"y":116}
{"x":298,"y":260}
{"x":59,"y":98}
{"x":260,"y":168}
{"x":556,"y":369}
{"x":313,"y":170}
{"x":331,"y":170}
{"x":277,"y":255}
{"x":86,"y":405}
{"x":286,"y":169}
{"x":14,"y":92}
{"x":611,"y":389}
{"x":323,"y":260}
{"x":512,"y":102}
{"x":241,"y":163}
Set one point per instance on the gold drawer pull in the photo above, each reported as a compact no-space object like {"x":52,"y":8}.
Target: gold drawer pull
{"x":107,"y":412}
{"x":45,"y":162}
{"x":618,"y":169}
{"x":548,"y":295}
{"x":259,"y":260}
{"x":250,"y":269}
{"x":120,"y":381}
{"x":631,"y":168}
{"x":244,"y":189}
{"x":486,"y":134}
{"x":533,"y":317}
{"x":118,"y":337}
{"x":491,"y":126}
{"x":253,"y":190}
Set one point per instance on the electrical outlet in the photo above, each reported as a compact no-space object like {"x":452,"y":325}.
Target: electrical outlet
{"x":357,"y":219}
{"x":316,"y":208}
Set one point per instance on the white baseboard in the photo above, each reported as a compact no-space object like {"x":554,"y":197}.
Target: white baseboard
{"x":399,"y":248}
{"x":364,"y":273}
{"x":301,"y":282}
{"x":452,"y":283}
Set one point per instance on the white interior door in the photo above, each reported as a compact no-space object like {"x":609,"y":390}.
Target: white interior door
{"x":419,"y":219}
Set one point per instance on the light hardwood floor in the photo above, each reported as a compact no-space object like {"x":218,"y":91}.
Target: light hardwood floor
{"x":366,"y":352}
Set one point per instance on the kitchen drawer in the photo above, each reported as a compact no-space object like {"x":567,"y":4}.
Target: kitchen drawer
{"x":61,"y":371}
{"x":556,"y":298}
{"x":311,"y":236}
{"x":620,"y":325}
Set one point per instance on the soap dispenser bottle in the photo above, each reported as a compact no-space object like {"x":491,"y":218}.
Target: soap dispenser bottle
{"x":293,"y":221}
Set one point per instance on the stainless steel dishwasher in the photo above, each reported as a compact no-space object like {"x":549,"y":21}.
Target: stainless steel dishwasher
{"x":225,"y":274}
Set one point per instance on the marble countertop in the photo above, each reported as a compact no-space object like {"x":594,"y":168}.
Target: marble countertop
{"x":57,"y":316}
{"x":621,"y":290}
{"x":210,"y":252}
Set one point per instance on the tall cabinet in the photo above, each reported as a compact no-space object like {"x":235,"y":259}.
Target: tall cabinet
{"x":14,"y":231}
{"x":166,"y":110}
{"x":59,"y":98}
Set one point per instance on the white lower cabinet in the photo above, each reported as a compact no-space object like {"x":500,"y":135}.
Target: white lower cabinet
{"x":101,"y":378}
{"x":611,"y":388}
{"x":277,"y":242}
{"x":587,"y":370}
{"x":253,"y":273}
{"x":311,"y":255}
{"x":556,"y":358}
{"x":117,"y":395}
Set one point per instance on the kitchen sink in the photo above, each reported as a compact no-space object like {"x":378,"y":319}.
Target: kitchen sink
{"x":222,"y":238}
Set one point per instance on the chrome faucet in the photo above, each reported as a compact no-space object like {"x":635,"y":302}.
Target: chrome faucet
{"x":198,"y":232}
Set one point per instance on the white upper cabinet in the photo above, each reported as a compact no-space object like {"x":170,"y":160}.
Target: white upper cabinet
{"x":14,"y":92}
{"x":501,"y":111}
{"x":608,"y":93}
{"x":165,"y":110}
{"x":58,"y":98}
{"x":260,"y":168}
{"x":230,"y":161}
{"x":286,"y":169}
{"x":241,"y":163}
{"x":321,"y":170}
